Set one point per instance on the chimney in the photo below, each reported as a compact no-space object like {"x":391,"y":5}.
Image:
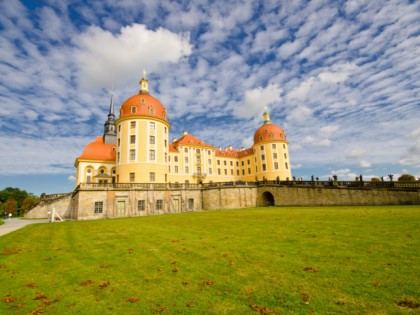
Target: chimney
{"x":185,"y":132}
{"x":174,"y":140}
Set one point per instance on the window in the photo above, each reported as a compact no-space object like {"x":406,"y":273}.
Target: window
{"x":152,"y":155}
{"x":190,"y":204}
{"x":187,"y":170}
{"x":186,"y":150}
{"x":118,"y":157}
{"x":264,"y":167}
{"x":199,"y":170}
{"x":219,"y":171}
{"x":243,"y":172}
{"x":132,"y":154}
{"x":237,"y":172}
{"x":133,"y":110}
{"x":286,"y":165}
{"x":166,"y":157}
{"x":231,"y":163}
{"x":197,"y":151}
{"x":186,"y":159}
{"x":208,"y":152}
{"x":151,"y":110}
{"x":273,"y":146}
{"x":159,"y":204}
{"x":88,"y":178}
{"x":119,"y":141}
{"x":119,"y":127}
{"x":218,"y":162}
{"x":225,"y":171}
{"x":132,"y":139}
{"x":262,"y":148}
{"x":285,"y":156}
{"x":249,"y":161}
{"x":142,"y":101}
{"x":231,"y":172}
{"x":243,"y":163}
{"x":209,"y":161}
{"x":176,"y":169}
{"x":224,"y":162}
{"x":165,"y":143}
{"x":237,"y":163}
{"x":210,"y":171}
{"x":152,"y":176}
{"x":102,"y":171}
{"x":99,"y":206}
{"x":175,"y":158}
{"x":276,"y":165}
{"x":140,"y":205}
{"x":133,"y":125}
{"x":132,"y":177}
{"x":249,"y":171}
{"x":166,"y":130}
{"x":152,"y":139}
{"x":275,"y":155}
{"x":262,"y":157}
{"x":284,"y":146}
{"x":152,"y":125}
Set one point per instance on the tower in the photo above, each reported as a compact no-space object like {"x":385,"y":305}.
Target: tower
{"x":110,"y":130}
{"x":142,"y":139}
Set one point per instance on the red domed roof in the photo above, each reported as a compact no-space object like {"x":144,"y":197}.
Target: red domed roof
{"x":98,"y":150}
{"x":143,"y":105}
{"x":269,"y":132}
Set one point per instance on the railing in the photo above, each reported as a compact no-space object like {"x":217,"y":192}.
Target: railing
{"x":239,"y":183}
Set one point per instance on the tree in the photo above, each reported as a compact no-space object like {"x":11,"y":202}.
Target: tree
{"x":28,"y":203}
{"x":406,"y":178}
{"x":10,"y":206}
{"x":375,"y":179}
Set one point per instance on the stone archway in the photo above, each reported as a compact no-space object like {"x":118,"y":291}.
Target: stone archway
{"x":267,"y":199}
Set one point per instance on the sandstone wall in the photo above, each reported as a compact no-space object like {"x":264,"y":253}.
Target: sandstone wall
{"x":62,"y":205}
{"x":229,"y":198}
{"x":335,"y":196}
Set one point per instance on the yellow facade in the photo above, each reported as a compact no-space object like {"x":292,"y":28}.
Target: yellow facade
{"x":142,"y":152}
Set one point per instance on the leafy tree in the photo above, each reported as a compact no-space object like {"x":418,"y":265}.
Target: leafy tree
{"x":13,"y":193}
{"x":375,"y":179}
{"x":10,"y":206}
{"x":28,"y":203}
{"x":406,"y":178}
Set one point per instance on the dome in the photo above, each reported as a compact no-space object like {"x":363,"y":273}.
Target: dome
{"x":269,"y":132}
{"x":98,"y":150}
{"x":143,"y":105}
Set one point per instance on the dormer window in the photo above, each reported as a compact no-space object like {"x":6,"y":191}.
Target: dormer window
{"x":151,"y":110}
{"x":133,"y":109}
{"x":142,"y":101}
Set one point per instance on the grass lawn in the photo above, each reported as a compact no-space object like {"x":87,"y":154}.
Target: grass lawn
{"x":288,"y":260}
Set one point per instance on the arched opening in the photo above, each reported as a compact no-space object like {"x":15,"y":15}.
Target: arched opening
{"x":268,"y":199}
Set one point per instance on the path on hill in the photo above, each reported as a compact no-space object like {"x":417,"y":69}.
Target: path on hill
{"x":17,"y":223}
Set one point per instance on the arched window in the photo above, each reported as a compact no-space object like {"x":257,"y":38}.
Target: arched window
{"x":133,"y":109}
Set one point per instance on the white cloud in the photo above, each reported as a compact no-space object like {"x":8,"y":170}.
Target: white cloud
{"x":365,"y":164}
{"x":104,"y":59}
{"x":256,"y":100}
{"x":71,"y":178}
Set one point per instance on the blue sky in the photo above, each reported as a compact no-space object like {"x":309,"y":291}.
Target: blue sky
{"x":340,"y":77}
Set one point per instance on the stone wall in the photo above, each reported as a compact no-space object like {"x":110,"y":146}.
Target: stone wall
{"x":62,"y":205}
{"x":124,"y":202}
{"x":336,"y":196}
{"x":229,"y":198}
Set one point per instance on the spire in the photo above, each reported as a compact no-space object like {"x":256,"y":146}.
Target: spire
{"x":266,"y":116}
{"x":110,"y":130}
{"x":144,"y":84}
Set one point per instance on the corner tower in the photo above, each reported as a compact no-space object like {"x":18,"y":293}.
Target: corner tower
{"x":142,"y":139}
{"x":271,"y":151}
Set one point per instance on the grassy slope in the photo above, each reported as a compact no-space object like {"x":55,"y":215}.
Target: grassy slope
{"x":337,"y":260}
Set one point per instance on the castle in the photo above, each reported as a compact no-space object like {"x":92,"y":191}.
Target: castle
{"x":135,"y":149}
{"x":134,"y":154}
{"x":133,"y":170}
